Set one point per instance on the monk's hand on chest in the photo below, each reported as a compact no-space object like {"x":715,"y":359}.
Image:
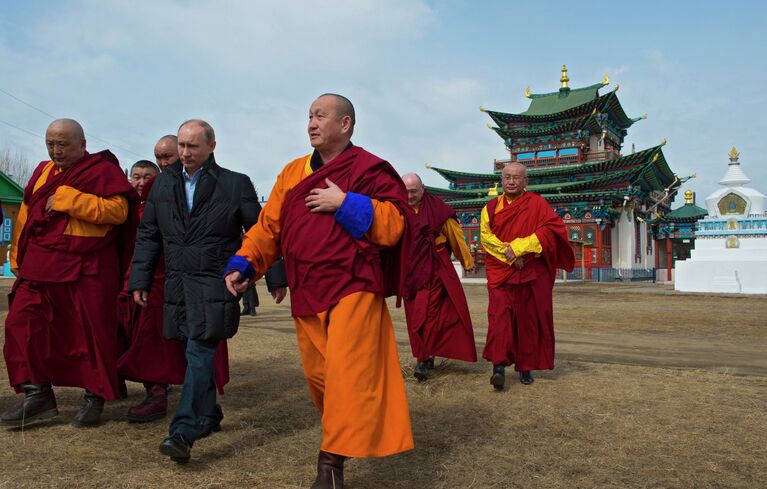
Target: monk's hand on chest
{"x":325,"y":199}
{"x":49,"y":203}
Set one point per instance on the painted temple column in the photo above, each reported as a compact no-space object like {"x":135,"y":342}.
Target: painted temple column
{"x":669,"y":261}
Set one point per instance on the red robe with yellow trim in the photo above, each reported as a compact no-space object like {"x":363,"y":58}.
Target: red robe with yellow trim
{"x":520,"y":318}
{"x":61,"y":321}
{"x":438,"y":319}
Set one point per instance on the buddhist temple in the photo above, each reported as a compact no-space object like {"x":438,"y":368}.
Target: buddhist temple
{"x":571,"y":141}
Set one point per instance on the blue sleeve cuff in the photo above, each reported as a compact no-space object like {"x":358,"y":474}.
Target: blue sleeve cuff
{"x":355,"y":214}
{"x":240,"y":264}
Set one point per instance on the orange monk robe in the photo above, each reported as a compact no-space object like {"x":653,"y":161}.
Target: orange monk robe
{"x":438,"y":317}
{"x":348,"y":352}
{"x":61,"y":332}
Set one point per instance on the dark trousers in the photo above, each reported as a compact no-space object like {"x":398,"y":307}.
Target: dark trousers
{"x":198,"y":396}
{"x":250,"y":297}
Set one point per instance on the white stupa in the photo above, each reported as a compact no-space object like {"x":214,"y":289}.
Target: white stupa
{"x":730,"y":252}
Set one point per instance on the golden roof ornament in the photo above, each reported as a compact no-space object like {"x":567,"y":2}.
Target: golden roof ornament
{"x":644,"y":116}
{"x":733,"y":154}
{"x":606,"y":80}
{"x":528,"y":93}
{"x":688,"y":197}
{"x":489,"y":126}
{"x":564,"y":80}
{"x":663,"y":143}
{"x":482,"y":109}
{"x":617,"y":86}
{"x":493,"y":191}
{"x":656,"y":157}
{"x":427,"y":166}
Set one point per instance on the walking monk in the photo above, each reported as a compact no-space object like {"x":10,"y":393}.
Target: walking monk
{"x":333,"y":215}
{"x":438,"y":319}
{"x":526,"y":242}
{"x":71,"y":245}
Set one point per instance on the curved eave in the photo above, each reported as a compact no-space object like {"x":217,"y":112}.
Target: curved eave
{"x":637,"y":158}
{"x":452,"y":175}
{"x":503,"y":118}
{"x":656,"y":175}
{"x":588,"y":121}
{"x":611,"y":102}
{"x":593,"y":87}
{"x":458,"y":194}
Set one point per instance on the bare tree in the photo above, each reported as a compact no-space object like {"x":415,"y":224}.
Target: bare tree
{"x":16,"y":165}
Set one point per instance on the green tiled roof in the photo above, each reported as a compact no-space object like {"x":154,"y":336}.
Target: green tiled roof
{"x":552,"y":103}
{"x":602,"y":103}
{"x":688,"y":212}
{"x":10,"y":191}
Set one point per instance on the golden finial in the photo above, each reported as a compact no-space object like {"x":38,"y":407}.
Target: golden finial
{"x":644,"y":116}
{"x":427,"y":166}
{"x":617,"y":86}
{"x":528,"y":92}
{"x":606,"y":80}
{"x":493,"y":192}
{"x":564,"y":80}
{"x":655,"y":158}
{"x":489,"y":126}
{"x":663,"y":143}
{"x":482,"y":109}
{"x":688,"y":197}
{"x":733,"y":154}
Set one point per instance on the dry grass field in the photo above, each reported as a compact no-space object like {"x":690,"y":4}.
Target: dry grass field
{"x":652,"y":389}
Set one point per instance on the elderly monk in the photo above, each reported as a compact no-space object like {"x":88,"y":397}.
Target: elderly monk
{"x":438,"y":319}
{"x":335,"y":214}
{"x":71,"y":245}
{"x":166,"y":151}
{"x":526,"y":242}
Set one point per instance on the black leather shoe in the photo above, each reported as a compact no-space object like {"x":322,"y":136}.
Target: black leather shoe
{"x":39,"y":403}
{"x":421,"y":371}
{"x":177,"y":447}
{"x":245,"y":311}
{"x":90,"y":412}
{"x":207,"y":426}
{"x":526,"y":377}
{"x":253,"y":312}
{"x":330,"y":471}
{"x":430,"y":363}
{"x":499,"y":377}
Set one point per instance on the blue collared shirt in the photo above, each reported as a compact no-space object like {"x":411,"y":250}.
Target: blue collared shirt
{"x":190,"y":184}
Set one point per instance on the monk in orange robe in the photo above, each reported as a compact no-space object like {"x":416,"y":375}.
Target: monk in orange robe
{"x":525,"y":242}
{"x":335,"y":215}
{"x":438,"y":319}
{"x":71,"y":245}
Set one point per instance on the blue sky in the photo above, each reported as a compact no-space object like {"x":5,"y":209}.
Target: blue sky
{"x":416,"y":71}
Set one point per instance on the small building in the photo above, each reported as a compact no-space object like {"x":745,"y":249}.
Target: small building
{"x":674,"y":236}
{"x":11,"y":196}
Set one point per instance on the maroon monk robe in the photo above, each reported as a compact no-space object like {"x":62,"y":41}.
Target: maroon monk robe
{"x":148,"y":356}
{"x":61,"y":320}
{"x":342,"y":265}
{"x":438,"y":319}
{"x":520,"y":318}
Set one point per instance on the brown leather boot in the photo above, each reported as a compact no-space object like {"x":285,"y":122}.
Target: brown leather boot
{"x":330,"y":471}
{"x":90,"y":412}
{"x":153,"y":407}
{"x":39,"y":403}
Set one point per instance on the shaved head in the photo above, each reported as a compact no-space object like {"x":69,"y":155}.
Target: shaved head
{"x":65,"y":140}
{"x":514,"y":180}
{"x":166,"y":151}
{"x":344,"y":106}
{"x":69,"y":125}
{"x":414,"y":186}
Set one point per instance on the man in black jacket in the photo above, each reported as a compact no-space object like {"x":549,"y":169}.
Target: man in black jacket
{"x":195,"y":215}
